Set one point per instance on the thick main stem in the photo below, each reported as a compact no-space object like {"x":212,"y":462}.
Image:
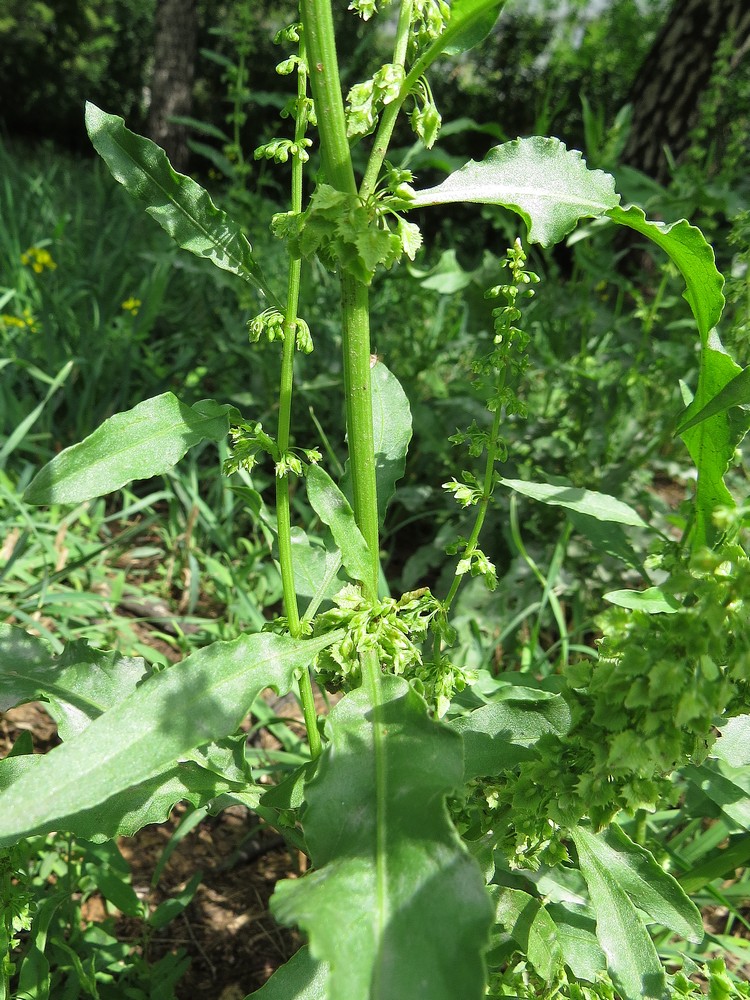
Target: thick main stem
{"x":337,"y":165}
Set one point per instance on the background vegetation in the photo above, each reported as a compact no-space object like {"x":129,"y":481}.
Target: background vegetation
{"x":97,"y":311}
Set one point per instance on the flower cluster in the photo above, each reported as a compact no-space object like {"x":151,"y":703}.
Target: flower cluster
{"x":38,"y":259}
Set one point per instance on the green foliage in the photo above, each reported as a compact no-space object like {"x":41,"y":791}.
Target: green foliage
{"x":467,"y":818}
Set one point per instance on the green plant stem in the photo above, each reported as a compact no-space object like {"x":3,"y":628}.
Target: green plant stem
{"x":391,"y":111}
{"x":484,"y":503}
{"x":286,"y":386}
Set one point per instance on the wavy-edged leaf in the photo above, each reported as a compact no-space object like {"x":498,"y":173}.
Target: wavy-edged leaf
{"x":394,"y":905}
{"x":135,"y":444}
{"x":632,"y":959}
{"x":201,"y":699}
{"x":734,"y":393}
{"x":687,"y":247}
{"x":301,"y":978}
{"x":652,"y":889}
{"x":181,"y":206}
{"x":653,"y":600}
{"x":334,"y":510}
{"x":500,"y":735}
{"x":548,"y":185}
{"x":526,"y":920}
{"x":315,"y":570}
{"x":596,"y":505}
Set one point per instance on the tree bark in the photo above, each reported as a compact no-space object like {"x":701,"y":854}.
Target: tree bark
{"x":172,"y":81}
{"x":666,"y":93}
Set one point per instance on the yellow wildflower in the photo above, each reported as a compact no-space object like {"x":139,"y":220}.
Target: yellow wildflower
{"x":37,"y":258}
{"x":131,"y":305}
{"x":25,"y":322}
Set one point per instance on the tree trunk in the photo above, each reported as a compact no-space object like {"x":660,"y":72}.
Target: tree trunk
{"x":666,"y":92}
{"x":172,"y":82}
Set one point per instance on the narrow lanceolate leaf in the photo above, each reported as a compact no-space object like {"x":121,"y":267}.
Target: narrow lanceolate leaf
{"x":597,"y":505}
{"x":652,"y":889}
{"x":136,"y":444}
{"x":395,"y":905}
{"x":333,"y":509}
{"x":181,"y":206}
{"x":549,"y":186}
{"x":735,"y":393}
{"x":632,"y":960}
{"x":653,"y":600}
{"x":302,"y":978}
{"x":687,"y":247}
{"x":204,"y":698}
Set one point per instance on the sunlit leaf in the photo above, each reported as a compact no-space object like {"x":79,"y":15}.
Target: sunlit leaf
{"x":334,"y":510}
{"x":632,"y":959}
{"x":301,"y":978}
{"x":549,"y":186}
{"x":653,"y":600}
{"x":181,"y":206}
{"x":734,"y":393}
{"x":687,"y":247}
{"x":597,"y":505}
{"x":394,"y":904}
{"x":136,"y":444}
{"x":202,"y":699}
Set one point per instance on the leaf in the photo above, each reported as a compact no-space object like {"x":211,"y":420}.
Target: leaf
{"x":596,"y":505}
{"x":333,"y":509}
{"x":712,"y":442}
{"x":735,"y":393}
{"x":632,"y":959}
{"x":315,"y":568}
{"x":394,"y":905}
{"x":531,"y":927}
{"x":22,"y":658}
{"x":136,"y":444}
{"x":606,"y":536}
{"x":201,"y":699}
{"x":549,"y":186}
{"x":727,"y":786}
{"x":180,"y":206}
{"x":653,"y":600}
{"x":576,"y":935}
{"x":392,"y":430}
{"x":687,"y":247}
{"x":499,"y":735}
{"x":470,"y":23}
{"x":301,"y":978}
{"x":652,"y":889}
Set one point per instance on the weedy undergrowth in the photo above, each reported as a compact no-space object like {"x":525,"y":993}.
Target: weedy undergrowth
{"x":466,"y":840}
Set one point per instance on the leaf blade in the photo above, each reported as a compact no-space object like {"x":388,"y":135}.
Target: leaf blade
{"x":182,"y":707}
{"x":395,"y":905}
{"x":557,"y":188}
{"x":145,"y":441}
{"x":597,"y":505}
{"x":181,"y":206}
{"x":334,"y":510}
{"x":632,"y":959}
